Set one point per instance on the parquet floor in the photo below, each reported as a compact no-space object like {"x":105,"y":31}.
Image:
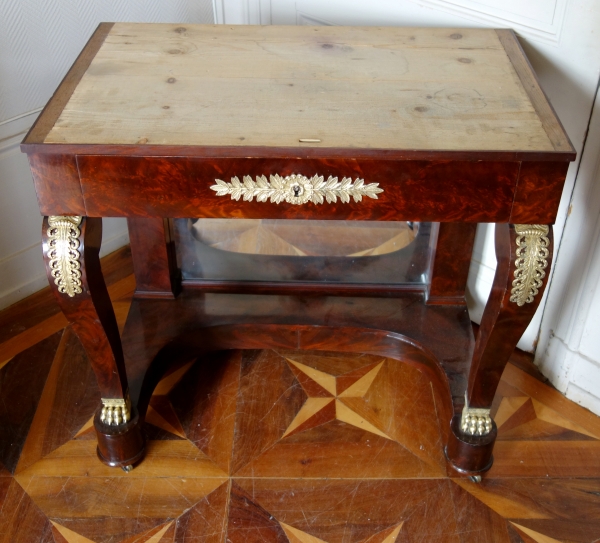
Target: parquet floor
{"x":278,"y":446}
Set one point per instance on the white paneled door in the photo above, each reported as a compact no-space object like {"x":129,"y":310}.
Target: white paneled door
{"x":562,"y":41}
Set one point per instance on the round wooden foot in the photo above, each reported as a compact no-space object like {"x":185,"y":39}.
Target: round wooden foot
{"x":120,"y":446}
{"x":470,"y":455}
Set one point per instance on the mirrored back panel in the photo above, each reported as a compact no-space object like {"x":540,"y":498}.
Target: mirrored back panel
{"x":320,"y":251}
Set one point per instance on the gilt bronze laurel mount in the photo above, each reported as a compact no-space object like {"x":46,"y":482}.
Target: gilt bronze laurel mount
{"x":531,"y":262}
{"x":296,"y":189}
{"x":63,"y":253}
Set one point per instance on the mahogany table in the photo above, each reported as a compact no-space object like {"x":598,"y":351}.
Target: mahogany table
{"x":445,"y":128}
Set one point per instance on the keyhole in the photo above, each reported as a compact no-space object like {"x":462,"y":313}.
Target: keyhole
{"x":296,"y":191}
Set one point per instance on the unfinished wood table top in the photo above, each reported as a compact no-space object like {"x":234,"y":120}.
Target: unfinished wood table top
{"x":352,"y":88}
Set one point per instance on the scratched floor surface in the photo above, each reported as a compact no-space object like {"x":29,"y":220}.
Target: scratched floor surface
{"x":278,"y":446}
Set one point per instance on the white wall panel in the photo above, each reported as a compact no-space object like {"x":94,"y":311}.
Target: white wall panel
{"x":40,"y":39}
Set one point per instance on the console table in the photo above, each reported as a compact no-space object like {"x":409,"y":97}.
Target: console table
{"x":156,"y":122}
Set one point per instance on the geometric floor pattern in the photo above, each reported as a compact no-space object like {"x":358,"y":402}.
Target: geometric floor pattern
{"x":278,"y":446}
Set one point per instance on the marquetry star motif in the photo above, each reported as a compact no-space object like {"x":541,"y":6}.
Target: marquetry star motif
{"x":332,"y":398}
{"x":522,"y":417}
{"x":389,"y":535}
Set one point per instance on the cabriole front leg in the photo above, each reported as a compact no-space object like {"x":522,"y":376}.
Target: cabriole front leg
{"x":71,"y":247}
{"x":524,"y":254}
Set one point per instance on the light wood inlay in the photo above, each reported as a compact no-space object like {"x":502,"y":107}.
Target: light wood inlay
{"x":384,"y":88}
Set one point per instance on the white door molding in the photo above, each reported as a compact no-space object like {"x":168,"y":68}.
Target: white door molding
{"x":569,"y":346}
{"x":242,"y":12}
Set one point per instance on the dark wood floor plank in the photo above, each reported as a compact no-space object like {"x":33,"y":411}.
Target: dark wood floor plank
{"x":248,"y":522}
{"x":205,"y":401}
{"x":21,"y":521}
{"x":477,"y":522}
{"x":263,"y":412}
{"x":21,"y":383}
{"x":206,"y":521}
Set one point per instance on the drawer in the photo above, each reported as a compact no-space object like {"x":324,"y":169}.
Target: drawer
{"x":408,"y":190}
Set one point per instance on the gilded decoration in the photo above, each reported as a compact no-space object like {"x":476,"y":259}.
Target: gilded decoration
{"x":531,"y":262}
{"x":296,"y":189}
{"x":63,"y":253}
{"x":115,"y":411}
{"x":475,"y":421}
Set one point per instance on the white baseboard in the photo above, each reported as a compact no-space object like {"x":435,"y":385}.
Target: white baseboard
{"x":572,"y":373}
{"x":583,"y":398}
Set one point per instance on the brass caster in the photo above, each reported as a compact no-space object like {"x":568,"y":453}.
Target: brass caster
{"x":472,"y":478}
{"x":127,"y":469}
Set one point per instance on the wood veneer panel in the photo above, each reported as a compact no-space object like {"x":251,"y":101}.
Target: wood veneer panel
{"x":538,"y":192}
{"x":174,"y":458}
{"x":26,"y":314}
{"x":153,"y":255}
{"x":413,"y":190}
{"x":56,"y":181}
{"x":248,"y":522}
{"x":560,"y":530}
{"x":346,"y":428}
{"x":29,"y":337}
{"x":451,"y":262}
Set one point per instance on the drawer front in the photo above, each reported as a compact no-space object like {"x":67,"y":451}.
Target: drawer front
{"x":390,"y":190}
